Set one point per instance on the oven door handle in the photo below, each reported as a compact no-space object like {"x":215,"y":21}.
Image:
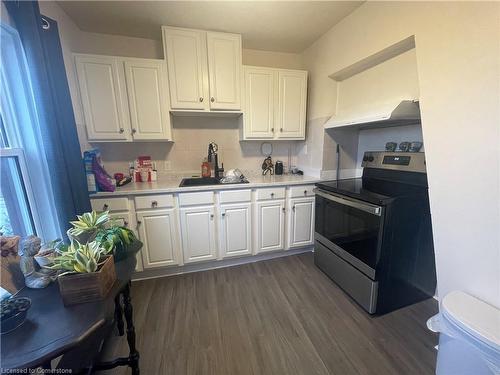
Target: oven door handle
{"x":363,"y":206}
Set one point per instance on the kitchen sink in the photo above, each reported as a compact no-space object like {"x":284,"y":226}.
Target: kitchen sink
{"x":204,"y":181}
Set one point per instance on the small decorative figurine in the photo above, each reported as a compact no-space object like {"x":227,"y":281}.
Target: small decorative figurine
{"x":267,"y":166}
{"x":32,"y":278}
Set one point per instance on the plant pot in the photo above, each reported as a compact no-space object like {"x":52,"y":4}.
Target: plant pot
{"x":87,"y":287}
{"x":85,"y":237}
{"x":122,"y":251}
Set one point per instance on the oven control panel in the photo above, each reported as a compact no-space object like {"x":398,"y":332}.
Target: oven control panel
{"x":402,"y":161}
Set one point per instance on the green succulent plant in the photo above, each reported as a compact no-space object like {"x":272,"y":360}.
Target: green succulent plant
{"x":79,"y":258}
{"x":89,"y":221}
{"x":115,"y":238}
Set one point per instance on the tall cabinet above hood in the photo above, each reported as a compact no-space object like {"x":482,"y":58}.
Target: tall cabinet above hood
{"x":392,"y":113}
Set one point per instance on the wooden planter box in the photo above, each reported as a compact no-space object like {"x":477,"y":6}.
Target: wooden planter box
{"x":88,"y":287}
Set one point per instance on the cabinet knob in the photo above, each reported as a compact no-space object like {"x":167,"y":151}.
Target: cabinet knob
{"x":201,"y":99}
{"x":212,"y":99}
{"x":272,"y":195}
{"x":154,"y":203}
{"x":211,"y":216}
{"x":125,"y":223}
{"x":293,"y":208}
{"x":105,"y":207}
{"x":121,"y":130}
{"x":283,"y":209}
{"x":223,"y":214}
{"x":134,"y":130}
{"x":272,"y":129}
{"x":138,"y":223}
{"x":305,"y":192}
{"x":281,"y":129}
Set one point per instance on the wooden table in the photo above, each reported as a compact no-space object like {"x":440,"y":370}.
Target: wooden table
{"x":52,"y":330}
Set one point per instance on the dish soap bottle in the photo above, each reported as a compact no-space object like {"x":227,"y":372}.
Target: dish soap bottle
{"x":205,"y":168}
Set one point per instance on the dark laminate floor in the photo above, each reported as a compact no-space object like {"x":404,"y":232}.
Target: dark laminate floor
{"x":281,"y":316}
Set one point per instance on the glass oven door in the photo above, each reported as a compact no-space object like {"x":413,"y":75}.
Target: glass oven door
{"x":350,"y":228}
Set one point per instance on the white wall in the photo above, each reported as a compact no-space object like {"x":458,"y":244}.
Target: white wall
{"x":190,"y":134}
{"x":457,"y":51}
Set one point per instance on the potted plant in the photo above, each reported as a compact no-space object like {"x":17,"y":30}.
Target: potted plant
{"x":87,"y":272}
{"x":119,"y":241}
{"x":87,"y":226}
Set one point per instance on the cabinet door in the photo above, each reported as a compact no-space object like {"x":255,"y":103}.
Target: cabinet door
{"x":158,"y":233}
{"x":301,"y":222}
{"x":259,"y":103}
{"x":198,"y":234}
{"x":104,"y":98}
{"x":185,"y":52}
{"x":148,"y":99}
{"x":235,"y":229}
{"x":224,"y":68}
{"x":292,"y":96}
{"x":270,"y":226}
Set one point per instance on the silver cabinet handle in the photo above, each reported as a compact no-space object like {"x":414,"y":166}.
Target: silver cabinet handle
{"x":105,"y":207}
{"x":121,"y":130}
{"x":134,"y":130}
{"x":201,"y":99}
{"x":212,"y":99}
{"x":154,"y":204}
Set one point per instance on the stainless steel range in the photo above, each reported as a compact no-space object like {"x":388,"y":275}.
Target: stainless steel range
{"x":374,"y":233}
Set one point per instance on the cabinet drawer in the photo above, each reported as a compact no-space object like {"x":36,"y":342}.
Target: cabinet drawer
{"x":271,"y":193}
{"x":110,"y":204}
{"x":234,"y":196}
{"x":190,"y":199}
{"x":154,"y":201}
{"x":301,"y":191}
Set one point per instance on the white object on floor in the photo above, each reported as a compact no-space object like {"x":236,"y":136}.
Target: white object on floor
{"x":469,"y":339}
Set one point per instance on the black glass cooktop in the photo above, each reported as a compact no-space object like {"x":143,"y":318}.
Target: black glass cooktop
{"x":356,"y":188}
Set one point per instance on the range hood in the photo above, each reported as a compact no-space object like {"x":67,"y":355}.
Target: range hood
{"x":395,"y":113}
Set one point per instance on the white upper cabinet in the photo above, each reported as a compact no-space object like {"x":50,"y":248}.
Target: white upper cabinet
{"x":275,"y":103}
{"x":104,"y":97}
{"x":224,"y":70}
{"x":292,"y":94}
{"x":124,"y":99}
{"x":148,"y":99}
{"x":204,"y":69}
{"x":185,"y":52}
{"x":259,"y":103}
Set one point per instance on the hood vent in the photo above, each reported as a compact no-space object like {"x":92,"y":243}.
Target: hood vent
{"x":402,"y":112}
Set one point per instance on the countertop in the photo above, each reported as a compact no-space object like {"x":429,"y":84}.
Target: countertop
{"x":171,"y":185}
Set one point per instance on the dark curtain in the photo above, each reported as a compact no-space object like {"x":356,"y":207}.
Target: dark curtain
{"x":40,"y":38}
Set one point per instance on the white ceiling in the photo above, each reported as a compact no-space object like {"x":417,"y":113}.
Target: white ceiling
{"x":285,"y":26}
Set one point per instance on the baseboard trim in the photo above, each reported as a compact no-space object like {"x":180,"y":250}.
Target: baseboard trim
{"x":215,"y":264}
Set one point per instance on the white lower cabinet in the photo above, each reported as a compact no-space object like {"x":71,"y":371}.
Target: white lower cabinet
{"x":235,"y":229}
{"x":158,"y":232}
{"x":270,"y":224}
{"x":300,"y":222}
{"x":198,"y":233}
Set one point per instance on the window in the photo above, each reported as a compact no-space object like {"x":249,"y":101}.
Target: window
{"x":25,"y":195}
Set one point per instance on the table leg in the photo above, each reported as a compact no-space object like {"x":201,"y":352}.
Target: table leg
{"x":119,"y":315}
{"x":134,"y":354}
